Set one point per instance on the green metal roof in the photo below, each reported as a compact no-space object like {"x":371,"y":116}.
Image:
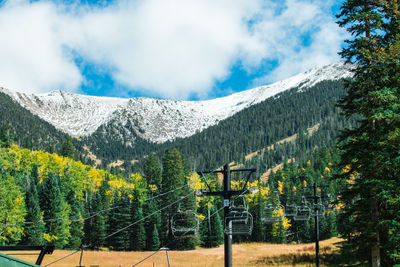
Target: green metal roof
{"x":7,"y":261}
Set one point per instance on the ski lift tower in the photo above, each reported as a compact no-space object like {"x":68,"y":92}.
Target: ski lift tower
{"x":227,"y":193}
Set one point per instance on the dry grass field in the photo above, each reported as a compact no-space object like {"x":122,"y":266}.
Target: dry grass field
{"x":251,"y":254}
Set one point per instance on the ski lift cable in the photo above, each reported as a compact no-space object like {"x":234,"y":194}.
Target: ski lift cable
{"x":66,"y":256}
{"x":118,"y":231}
{"x":91,"y":215}
{"x":177,"y":239}
{"x":142,"y":219}
{"x":85,"y":246}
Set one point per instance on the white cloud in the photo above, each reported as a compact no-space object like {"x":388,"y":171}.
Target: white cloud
{"x":32,"y":56}
{"x":172,"y":48}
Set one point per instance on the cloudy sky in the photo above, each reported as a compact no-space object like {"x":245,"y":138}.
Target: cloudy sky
{"x":176,"y":49}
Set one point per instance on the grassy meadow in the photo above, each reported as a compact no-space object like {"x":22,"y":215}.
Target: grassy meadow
{"x":249,"y":254}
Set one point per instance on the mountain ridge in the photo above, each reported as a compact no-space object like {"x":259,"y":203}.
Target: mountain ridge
{"x":157,"y":120}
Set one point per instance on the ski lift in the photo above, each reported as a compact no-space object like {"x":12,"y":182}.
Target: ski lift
{"x":273,"y":212}
{"x":238,"y":220}
{"x":303,"y":211}
{"x":184,"y":222}
{"x":290,"y":210}
{"x":239,"y":204}
{"x":327,"y":201}
{"x":239,"y":223}
{"x":317,"y":210}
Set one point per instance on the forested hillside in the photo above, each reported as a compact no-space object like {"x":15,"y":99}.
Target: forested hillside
{"x":263,"y":125}
{"x":70,"y":204}
{"x":29,"y":130}
{"x":253,"y":129}
{"x":53,"y":199}
{"x":250,"y":130}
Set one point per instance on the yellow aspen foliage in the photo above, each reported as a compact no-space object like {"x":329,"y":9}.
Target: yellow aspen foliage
{"x":153,"y":187}
{"x":194,"y":181}
{"x":286,"y":223}
{"x":280,"y":187}
{"x":50,"y":238}
{"x":347,"y":168}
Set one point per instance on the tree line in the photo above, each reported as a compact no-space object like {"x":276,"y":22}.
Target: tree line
{"x":62,"y":201}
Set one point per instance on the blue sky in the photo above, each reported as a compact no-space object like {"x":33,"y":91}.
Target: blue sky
{"x":176,"y":49}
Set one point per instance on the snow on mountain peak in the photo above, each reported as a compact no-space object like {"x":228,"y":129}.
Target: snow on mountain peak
{"x":158,"y":120}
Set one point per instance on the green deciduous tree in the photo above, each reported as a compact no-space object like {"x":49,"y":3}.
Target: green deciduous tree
{"x":12,"y":208}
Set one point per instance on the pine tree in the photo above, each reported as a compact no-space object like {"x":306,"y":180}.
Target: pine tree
{"x":33,"y":233}
{"x":68,"y":149}
{"x":119,"y":218}
{"x":95,"y":227}
{"x":56,"y":211}
{"x":152,"y":241}
{"x":172,"y":177}
{"x":258,"y":233}
{"x":371,"y":150}
{"x":7,"y":135}
{"x":137,"y":231}
{"x":152,"y":170}
{"x":211,"y":230}
{"x":76,"y":227}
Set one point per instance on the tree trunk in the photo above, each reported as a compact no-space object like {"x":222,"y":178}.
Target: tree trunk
{"x":375,"y":255}
{"x":375,"y":250}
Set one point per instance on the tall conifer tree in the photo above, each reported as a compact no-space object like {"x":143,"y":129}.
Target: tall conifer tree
{"x":152,"y":170}
{"x":137,"y":231}
{"x":56,"y":210}
{"x":172,"y":177}
{"x":372,"y":149}
{"x":33,"y":232}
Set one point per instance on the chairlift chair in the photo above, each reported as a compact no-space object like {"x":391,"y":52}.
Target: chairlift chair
{"x":318,"y":210}
{"x":273,"y":213}
{"x":239,"y":204}
{"x":327,"y":201}
{"x":303,"y":211}
{"x":239,"y":223}
{"x":238,"y":220}
{"x":290,"y":210}
{"x":184,"y":223}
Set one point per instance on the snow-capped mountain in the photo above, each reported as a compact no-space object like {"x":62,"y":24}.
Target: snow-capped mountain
{"x":157,"y":120}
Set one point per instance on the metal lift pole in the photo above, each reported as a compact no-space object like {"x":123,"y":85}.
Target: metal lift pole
{"x":227,"y":193}
{"x":316,"y":225}
{"x":227,"y":237}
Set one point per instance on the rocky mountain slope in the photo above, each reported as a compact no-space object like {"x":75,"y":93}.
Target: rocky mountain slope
{"x":157,"y":120}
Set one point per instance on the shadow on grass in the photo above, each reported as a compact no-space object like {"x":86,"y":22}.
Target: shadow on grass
{"x":306,"y":257}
